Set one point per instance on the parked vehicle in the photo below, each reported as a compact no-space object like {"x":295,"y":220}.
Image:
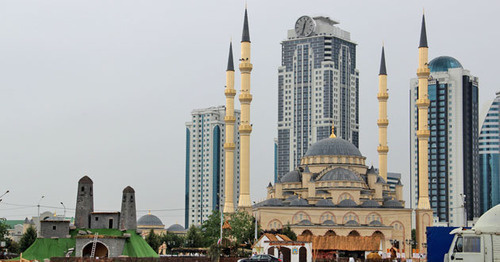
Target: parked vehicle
{"x":480,"y":243}
{"x":259,"y":258}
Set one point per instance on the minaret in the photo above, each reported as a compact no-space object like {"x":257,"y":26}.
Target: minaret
{"x":245,"y":126}
{"x":382,"y":121}
{"x":424,"y":211}
{"x":128,"y":215}
{"x":229,"y":145}
{"x":84,"y":202}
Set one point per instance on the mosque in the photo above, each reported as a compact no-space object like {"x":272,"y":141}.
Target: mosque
{"x":333,"y":193}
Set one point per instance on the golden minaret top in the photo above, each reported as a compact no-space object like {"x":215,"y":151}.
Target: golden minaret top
{"x":333,"y":131}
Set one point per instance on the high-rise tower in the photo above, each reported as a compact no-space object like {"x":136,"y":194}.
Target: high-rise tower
{"x":382,"y":121}
{"x":84,"y":202}
{"x":128,"y":215}
{"x":229,"y":145}
{"x":489,"y":157}
{"x":205,"y":165}
{"x":318,"y":83}
{"x":423,"y":212}
{"x":245,"y":126}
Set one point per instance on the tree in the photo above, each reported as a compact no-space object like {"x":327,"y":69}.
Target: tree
{"x":172,"y":240}
{"x":242,"y":227}
{"x":211,"y":229}
{"x":194,"y":238}
{"x":12,"y":246}
{"x":27,"y":239}
{"x":287,"y":231}
{"x":153,"y":240}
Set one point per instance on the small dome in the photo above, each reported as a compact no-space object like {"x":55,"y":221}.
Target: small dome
{"x":149,"y":220}
{"x":291,"y":177}
{"x":176,"y":228}
{"x":347,"y":203}
{"x":328,"y":223}
{"x":85,"y":180}
{"x":370,"y":204}
{"x":291,"y":198}
{"x":270,"y":202}
{"x":305,"y":222}
{"x":443,"y":63}
{"x":299,"y":202}
{"x":340,"y":173}
{"x":393,"y":204}
{"x":128,"y":189}
{"x":375,"y":223}
{"x":333,"y":147}
{"x":325,"y":203}
{"x":352,"y":223}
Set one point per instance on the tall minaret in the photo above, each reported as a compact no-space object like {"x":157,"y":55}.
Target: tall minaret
{"x":382,"y":121}
{"x":128,"y":215}
{"x":84,"y":202}
{"x":245,"y":126}
{"x":424,"y":211}
{"x":229,"y":145}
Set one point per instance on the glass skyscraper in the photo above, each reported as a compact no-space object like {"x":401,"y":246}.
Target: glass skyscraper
{"x":489,"y":157}
{"x":205,"y":163}
{"x":318,"y":84}
{"x":453,"y":143}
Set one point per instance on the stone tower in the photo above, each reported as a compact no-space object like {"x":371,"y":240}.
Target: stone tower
{"x":128,"y":217}
{"x":382,"y":121}
{"x":245,"y":126}
{"x":229,"y":145}
{"x":84,"y":202}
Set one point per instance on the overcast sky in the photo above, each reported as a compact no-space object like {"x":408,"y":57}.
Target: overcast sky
{"x":104,"y":88}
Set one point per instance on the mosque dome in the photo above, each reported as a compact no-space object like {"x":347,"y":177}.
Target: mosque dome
{"x":291,"y":177}
{"x":176,"y":228}
{"x":342,"y":174}
{"x":393,"y":204}
{"x":370,"y":204}
{"x":149,"y":221}
{"x":347,"y":203}
{"x":333,"y":147}
{"x":299,"y":202}
{"x":325,"y":203}
{"x":443,"y":63}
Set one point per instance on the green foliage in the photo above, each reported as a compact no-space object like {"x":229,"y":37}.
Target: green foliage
{"x":13,"y":246}
{"x":242,"y":227}
{"x":194,"y":237}
{"x":214,"y":251}
{"x":172,"y":240}
{"x":287,"y":231}
{"x":153,"y":240}
{"x":27,"y":239}
{"x":414,"y":238}
{"x":211,"y":229}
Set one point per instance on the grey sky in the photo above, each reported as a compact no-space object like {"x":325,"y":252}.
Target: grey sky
{"x":104,"y":88}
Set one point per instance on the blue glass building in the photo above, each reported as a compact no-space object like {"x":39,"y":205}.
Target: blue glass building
{"x":489,"y":157}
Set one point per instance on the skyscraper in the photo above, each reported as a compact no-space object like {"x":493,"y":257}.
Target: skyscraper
{"x":205,"y":163}
{"x":453,"y":171}
{"x":318,"y":84}
{"x":489,"y":157}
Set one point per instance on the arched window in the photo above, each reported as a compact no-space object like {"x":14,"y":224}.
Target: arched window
{"x":373,"y":217}
{"x":350,"y":216}
{"x":275,"y":224}
{"x":299,"y":216}
{"x":326,"y":216}
{"x":345,"y":196}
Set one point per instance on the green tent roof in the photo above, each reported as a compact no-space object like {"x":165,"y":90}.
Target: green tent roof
{"x":135,"y":246}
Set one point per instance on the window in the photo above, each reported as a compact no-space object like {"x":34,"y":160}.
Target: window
{"x":472,"y":244}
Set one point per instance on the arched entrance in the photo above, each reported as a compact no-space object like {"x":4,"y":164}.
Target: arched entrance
{"x":286,"y":252}
{"x":100,"y":250}
{"x":306,"y":233}
{"x":353,"y":233}
{"x":302,"y":254}
{"x":381,"y":236}
{"x":330,"y":233}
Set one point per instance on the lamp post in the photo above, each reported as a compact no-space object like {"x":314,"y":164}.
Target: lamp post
{"x":64,"y":215}
{"x":463,"y":196}
{"x":38,"y":205}
{"x":6,"y":192}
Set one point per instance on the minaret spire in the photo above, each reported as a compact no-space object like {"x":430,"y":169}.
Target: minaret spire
{"x":332,"y":135}
{"x":423,"y":213}
{"x":245,"y":125}
{"x":382,"y":121}
{"x":245,"y":37}
{"x":423,"y":34}
{"x":229,"y":145}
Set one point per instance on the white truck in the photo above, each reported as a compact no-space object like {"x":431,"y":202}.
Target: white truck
{"x":480,"y":243}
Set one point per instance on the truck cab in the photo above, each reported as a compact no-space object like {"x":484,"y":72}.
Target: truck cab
{"x":481,"y":243}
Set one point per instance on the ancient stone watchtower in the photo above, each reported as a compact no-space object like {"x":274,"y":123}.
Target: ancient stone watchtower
{"x":84,"y":202}
{"x":128,"y":217}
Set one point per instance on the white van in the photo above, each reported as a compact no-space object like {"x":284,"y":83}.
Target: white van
{"x":481,"y":243}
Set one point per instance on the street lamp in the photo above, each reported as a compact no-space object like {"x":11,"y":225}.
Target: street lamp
{"x":6,"y":192}
{"x":39,"y":207}
{"x":64,"y":216}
